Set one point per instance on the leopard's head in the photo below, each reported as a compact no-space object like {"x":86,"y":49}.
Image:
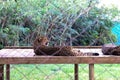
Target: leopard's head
{"x":40,"y":41}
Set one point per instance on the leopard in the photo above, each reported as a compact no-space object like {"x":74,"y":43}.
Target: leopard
{"x":40,"y":46}
{"x":111,"y":49}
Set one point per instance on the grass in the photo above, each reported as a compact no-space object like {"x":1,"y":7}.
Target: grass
{"x":63,"y":72}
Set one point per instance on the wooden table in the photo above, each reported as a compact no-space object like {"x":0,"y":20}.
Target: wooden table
{"x":25,"y":55}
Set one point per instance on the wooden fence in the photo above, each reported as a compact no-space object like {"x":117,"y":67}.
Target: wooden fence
{"x":25,"y":55}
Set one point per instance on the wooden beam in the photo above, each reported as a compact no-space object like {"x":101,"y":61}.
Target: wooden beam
{"x":7,"y":71}
{"x":1,"y":72}
{"x":18,"y":47}
{"x":76,"y":72}
{"x":61,"y":60}
{"x":91,"y":71}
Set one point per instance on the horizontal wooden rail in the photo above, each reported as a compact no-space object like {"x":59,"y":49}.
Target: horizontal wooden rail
{"x":60,"y":60}
{"x":18,"y":47}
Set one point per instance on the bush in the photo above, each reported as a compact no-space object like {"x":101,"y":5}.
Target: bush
{"x":65,"y":22}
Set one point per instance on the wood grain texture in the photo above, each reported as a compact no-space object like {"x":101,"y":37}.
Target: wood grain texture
{"x":91,"y":71}
{"x":76,"y":72}
{"x":60,"y":60}
{"x":8,"y":72}
{"x":1,"y":72}
{"x":16,"y":53}
{"x":18,"y":47}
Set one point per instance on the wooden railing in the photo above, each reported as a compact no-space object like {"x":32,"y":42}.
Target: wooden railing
{"x":90,"y":60}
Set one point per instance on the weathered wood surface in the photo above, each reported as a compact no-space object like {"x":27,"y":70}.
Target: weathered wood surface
{"x":1,"y":72}
{"x":7,"y":72}
{"x":26,"y":56}
{"x":76,"y":72}
{"x":60,"y":60}
{"x":91,"y":72}
{"x":16,"y":53}
{"x":18,"y":47}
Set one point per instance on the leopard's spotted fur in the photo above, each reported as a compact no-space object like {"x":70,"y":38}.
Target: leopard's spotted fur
{"x":40,"y":48}
{"x":111,"y":49}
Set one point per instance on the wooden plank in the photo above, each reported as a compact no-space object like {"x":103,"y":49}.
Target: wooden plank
{"x":1,"y":72}
{"x":91,"y":71}
{"x":8,"y":72}
{"x":18,"y":47}
{"x":17,"y":53}
{"x":61,"y":60}
{"x":76,"y":70}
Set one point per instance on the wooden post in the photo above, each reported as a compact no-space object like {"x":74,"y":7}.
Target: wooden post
{"x":91,"y":71}
{"x":8,"y":72}
{"x":76,"y":70}
{"x":1,"y":72}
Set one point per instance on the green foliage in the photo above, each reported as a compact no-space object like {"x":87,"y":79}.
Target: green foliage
{"x":63,"y":72}
{"x":94,"y":28}
{"x":69,"y":22}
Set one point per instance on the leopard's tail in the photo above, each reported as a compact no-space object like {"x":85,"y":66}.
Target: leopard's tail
{"x":95,"y":54}
{"x":79,"y":53}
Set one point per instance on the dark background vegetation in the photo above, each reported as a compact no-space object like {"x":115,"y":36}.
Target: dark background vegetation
{"x":64,"y":22}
